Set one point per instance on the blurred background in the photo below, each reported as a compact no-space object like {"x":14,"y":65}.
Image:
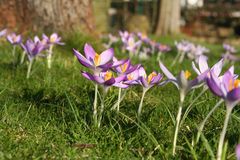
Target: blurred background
{"x":209,"y":20}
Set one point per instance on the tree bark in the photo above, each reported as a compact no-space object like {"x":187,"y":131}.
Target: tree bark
{"x":48,"y":15}
{"x":169,"y":17}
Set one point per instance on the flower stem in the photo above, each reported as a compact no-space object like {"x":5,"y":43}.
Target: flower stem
{"x":159,"y":56}
{"x":49,"y":57}
{"x":205,"y":120}
{"x":141,"y":103}
{"x":178,"y":119}
{"x":222,"y":135}
{"x":29,"y":68}
{"x":181,"y":57}
{"x":14,"y":50}
{"x":22,"y":58}
{"x":101,"y":111}
{"x":175,"y":59}
{"x":119,"y":99}
{"x":95,"y":105}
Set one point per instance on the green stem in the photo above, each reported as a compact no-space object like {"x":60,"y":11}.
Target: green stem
{"x":178,"y":119}
{"x":95,"y":105}
{"x":49,"y":57}
{"x":29,"y":68}
{"x":223,"y":133}
{"x":101,"y":110}
{"x":159,"y":56}
{"x":119,"y":99}
{"x":141,"y":103}
{"x":23,"y":56}
{"x":175,"y":59}
{"x":181,"y":57}
{"x":206,"y":118}
{"x":14,"y":50}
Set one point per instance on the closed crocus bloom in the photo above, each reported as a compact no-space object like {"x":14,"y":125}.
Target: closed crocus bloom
{"x":132,"y":45}
{"x":32,"y":48}
{"x":94,"y":61}
{"x":14,"y":39}
{"x":228,"y":48}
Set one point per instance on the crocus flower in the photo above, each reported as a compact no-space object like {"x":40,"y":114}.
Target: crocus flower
{"x":3,"y":32}
{"x":32,"y":49}
{"x":111,"y":40}
{"x":123,"y":66}
{"x":203,"y":66}
{"x":94,"y":61}
{"x":228,"y":48}
{"x":184,"y":85}
{"x":132,"y":45}
{"x":106,"y":79}
{"x":147,"y":81}
{"x":14,"y":39}
{"x":238,"y":152}
{"x":124,"y":36}
{"x":53,"y":39}
{"x":226,"y":87}
{"x":143,"y":37}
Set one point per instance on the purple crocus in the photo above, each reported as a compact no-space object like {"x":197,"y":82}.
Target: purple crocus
{"x":53,"y":39}
{"x":106,"y":79}
{"x":132,"y":46}
{"x":94,"y":61}
{"x":238,"y":152}
{"x":226,"y":87}
{"x":32,"y":49}
{"x":143,"y":37}
{"x":3,"y":32}
{"x":203,"y":66}
{"x":14,"y":39}
{"x":228,"y":48}
{"x":147,"y":82}
{"x":123,"y":66}
{"x":184,"y":85}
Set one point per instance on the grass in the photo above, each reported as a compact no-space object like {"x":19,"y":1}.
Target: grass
{"x":49,"y":116}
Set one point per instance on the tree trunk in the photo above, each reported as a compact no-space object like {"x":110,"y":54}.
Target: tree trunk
{"x":48,"y":15}
{"x":169,"y":18}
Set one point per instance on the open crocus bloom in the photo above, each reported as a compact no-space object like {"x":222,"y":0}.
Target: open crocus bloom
{"x":3,"y":32}
{"x":143,"y":37}
{"x":14,"y":39}
{"x":43,"y":42}
{"x":203,"y":66}
{"x":132,"y":45}
{"x":238,"y":152}
{"x":53,"y":39}
{"x":94,"y":61}
{"x":123,"y":66}
{"x":227,"y":87}
{"x":124,"y":36}
{"x":106,"y":79}
{"x":32,"y":48}
{"x":182,"y":81}
{"x":148,"y":81}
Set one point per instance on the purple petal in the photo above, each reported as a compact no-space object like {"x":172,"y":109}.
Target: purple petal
{"x":202,"y":62}
{"x":106,"y":56}
{"x":121,"y":85}
{"x":238,"y":152}
{"x":166,"y":72}
{"x":156,"y":79}
{"x":195,"y":68}
{"x":214,"y":85}
{"x":87,"y":75}
{"x":109,"y":82}
{"x":82,"y":59}
{"x":143,"y":82}
{"x":217,"y":68}
{"x":228,"y":80}
{"x":234,"y":95}
{"x":89,"y":52}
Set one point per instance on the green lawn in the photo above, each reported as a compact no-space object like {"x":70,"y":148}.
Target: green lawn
{"x":49,"y":115}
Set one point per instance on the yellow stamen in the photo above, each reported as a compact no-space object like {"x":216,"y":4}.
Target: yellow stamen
{"x":97,"y":59}
{"x":124,"y":67}
{"x":108,"y":76}
{"x":53,"y":39}
{"x":187,"y":74}
{"x":150,"y":77}
{"x":236,"y":83}
{"x":130,"y":77}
